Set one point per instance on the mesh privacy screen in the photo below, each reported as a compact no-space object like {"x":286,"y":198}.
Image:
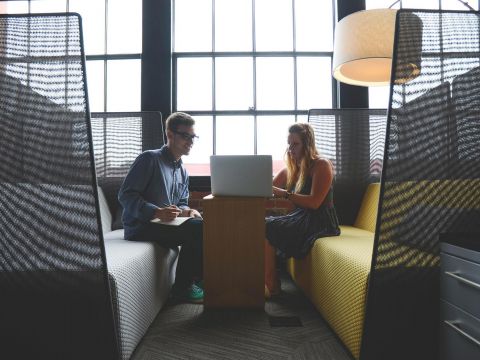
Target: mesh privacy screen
{"x":430,"y":180}
{"x":54,"y":296}
{"x":118,"y":138}
{"x":353,"y":139}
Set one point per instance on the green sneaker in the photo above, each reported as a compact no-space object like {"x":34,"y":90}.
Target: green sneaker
{"x":192,"y":293}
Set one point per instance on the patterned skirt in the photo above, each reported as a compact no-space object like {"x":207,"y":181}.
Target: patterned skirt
{"x":293,"y":234}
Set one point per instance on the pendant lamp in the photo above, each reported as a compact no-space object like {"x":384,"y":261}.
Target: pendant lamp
{"x":363,"y":49}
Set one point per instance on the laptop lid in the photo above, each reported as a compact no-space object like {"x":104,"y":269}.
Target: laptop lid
{"x":241,"y":175}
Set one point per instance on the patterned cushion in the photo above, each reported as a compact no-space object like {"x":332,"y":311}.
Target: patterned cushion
{"x":105,"y":213}
{"x":334,"y":276}
{"x":117,"y":220}
{"x":335,"y":273}
{"x":110,"y":187}
{"x":141,"y":275}
{"x":367,"y":215}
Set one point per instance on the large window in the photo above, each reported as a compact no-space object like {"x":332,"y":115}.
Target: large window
{"x":378,"y":96}
{"x":113,"y":45}
{"x":247,"y":69}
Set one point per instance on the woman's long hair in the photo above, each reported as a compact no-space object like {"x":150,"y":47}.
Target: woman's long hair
{"x":297,"y":172}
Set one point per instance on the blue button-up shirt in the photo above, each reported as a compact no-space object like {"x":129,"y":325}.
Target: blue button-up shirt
{"x":154,"y":180}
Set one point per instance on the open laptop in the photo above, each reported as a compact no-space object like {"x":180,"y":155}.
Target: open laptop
{"x":241,"y":175}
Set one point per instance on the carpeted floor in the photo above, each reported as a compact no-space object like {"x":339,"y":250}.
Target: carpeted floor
{"x":185,"y":331}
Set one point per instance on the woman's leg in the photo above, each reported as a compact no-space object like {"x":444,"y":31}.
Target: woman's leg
{"x":272,"y":282}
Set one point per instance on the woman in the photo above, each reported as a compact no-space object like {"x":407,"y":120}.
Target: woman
{"x":306,"y":181}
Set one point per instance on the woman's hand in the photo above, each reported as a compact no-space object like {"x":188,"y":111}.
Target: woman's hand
{"x":167,"y":213}
{"x":278,"y":192}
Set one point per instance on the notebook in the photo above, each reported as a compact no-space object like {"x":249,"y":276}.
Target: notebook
{"x":179,"y":220}
{"x":241,"y":175}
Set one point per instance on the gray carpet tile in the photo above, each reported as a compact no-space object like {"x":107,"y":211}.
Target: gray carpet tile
{"x":186,"y":331}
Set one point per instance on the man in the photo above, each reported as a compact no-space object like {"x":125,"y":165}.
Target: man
{"x":156,"y":186}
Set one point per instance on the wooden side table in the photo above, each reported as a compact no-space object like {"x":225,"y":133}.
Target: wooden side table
{"x":233,"y":252}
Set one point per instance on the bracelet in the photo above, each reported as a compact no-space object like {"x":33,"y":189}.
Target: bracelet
{"x":287,"y":194}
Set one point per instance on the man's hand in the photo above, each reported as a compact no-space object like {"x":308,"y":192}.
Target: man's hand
{"x":191,"y":213}
{"x":167,"y":213}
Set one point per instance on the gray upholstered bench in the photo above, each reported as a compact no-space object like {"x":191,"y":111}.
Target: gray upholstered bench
{"x":141,"y":275}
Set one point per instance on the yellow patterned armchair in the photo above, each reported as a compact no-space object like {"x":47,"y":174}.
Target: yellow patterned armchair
{"x":334,"y":275}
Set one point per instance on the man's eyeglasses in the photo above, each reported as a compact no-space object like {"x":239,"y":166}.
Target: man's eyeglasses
{"x":186,"y":136}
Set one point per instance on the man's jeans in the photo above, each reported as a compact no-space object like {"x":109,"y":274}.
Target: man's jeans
{"x":189,"y":236}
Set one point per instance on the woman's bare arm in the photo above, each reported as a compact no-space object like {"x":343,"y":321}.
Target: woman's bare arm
{"x":280,"y":180}
{"x":322,"y":177}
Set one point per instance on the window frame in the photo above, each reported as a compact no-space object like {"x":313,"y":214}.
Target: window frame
{"x":158,"y":62}
{"x":254,"y":112}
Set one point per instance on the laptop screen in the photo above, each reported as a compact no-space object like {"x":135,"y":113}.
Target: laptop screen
{"x":241,"y":175}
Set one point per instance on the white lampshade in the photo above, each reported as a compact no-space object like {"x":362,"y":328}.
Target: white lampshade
{"x":363,"y":48}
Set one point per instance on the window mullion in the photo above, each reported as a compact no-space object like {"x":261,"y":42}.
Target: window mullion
{"x":214,"y":102}
{"x":105,"y":63}
{"x":254,"y":74}
{"x":295,"y":75}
